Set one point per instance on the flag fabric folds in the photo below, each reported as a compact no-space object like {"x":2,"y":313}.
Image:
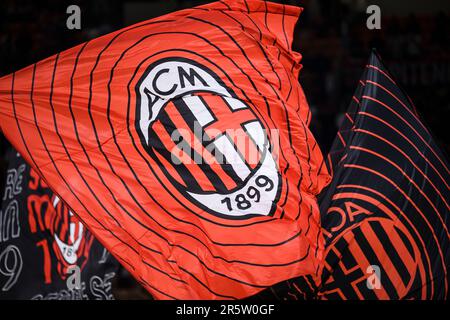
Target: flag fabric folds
{"x":386,"y":211}
{"x":44,"y":247}
{"x":182,"y":143}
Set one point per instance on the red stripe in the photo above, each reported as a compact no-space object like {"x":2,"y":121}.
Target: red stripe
{"x":412,"y":128}
{"x":410,"y":160}
{"x":361,"y":260}
{"x":330,"y":164}
{"x":404,"y":137}
{"x":382,"y":72}
{"x":410,"y":201}
{"x":343,"y":157}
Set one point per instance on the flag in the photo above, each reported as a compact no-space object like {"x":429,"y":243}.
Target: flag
{"x":386,"y":211}
{"x":182,"y":143}
{"x":45,"y":251}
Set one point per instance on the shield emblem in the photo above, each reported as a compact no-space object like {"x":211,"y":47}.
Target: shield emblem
{"x":209,"y":143}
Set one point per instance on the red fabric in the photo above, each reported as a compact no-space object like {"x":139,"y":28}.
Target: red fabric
{"x":76,"y":116}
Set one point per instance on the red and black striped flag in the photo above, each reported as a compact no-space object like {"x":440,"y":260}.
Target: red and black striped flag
{"x":183,"y":144}
{"x":43,"y":246}
{"x":386,"y":212}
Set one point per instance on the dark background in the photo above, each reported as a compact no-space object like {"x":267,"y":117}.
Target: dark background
{"x":332,"y":36}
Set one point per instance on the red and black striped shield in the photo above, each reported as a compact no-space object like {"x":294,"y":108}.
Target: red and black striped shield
{"x":209,"y":143}
{"x":386,"y":212}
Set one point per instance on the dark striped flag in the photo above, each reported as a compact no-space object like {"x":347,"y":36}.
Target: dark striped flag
{"x":386,"y":212}
{"x":182,"y":143}
{"x":42,"y":244}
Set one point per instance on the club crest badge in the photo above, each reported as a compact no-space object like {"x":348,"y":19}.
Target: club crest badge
{"x":211,"y":145}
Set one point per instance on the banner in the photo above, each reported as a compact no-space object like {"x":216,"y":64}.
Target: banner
{"x":182,"y":143}
{"x":385,"y":212}
{"x":45,"y":251}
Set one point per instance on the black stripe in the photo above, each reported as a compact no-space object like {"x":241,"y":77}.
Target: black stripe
{"x":205,"y":167}
{"x":108,"y":88}
{"x":165,"y":273}
{"x":148,"y":164}
{"x":59,"y":136}
{"x":290,"y":84}
{"x":407,"y":244}
{"x":282,"y":103}
{"x":205,"y":286}
{"x":307,"y":220}
{"x":225,"y":4}
{"x":246,"y":5}
{"x":205,"y":140}
{"x":386,"y":282}
{"x":391,"y":251}
{"x":256,"y":25}
{"x":157,"y":146}
{"x":50,"y":157}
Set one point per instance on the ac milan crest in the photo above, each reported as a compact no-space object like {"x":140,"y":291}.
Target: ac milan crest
{"x":210,"y":144}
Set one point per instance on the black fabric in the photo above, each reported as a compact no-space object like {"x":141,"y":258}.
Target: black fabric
{"x":35,"y":229}
{"x":385,"y":215}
